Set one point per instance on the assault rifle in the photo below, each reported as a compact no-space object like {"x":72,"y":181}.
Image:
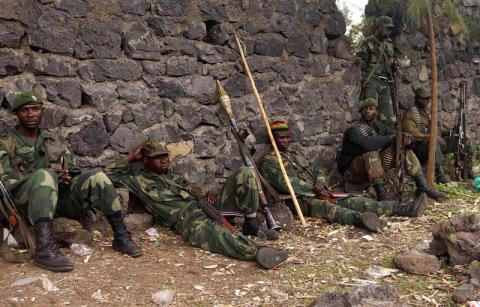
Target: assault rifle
{"x":399,"y":150}
{"x":12,"y":216}
{"x":459,"y":138}
{"x":248,"y":160}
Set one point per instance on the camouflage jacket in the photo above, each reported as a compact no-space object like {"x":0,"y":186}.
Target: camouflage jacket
{"x":302,"y":174}
{"x":164,"y":194}
{"x":417,"y":122}
{"x":372,"y":52}
{"x":20,"y":156}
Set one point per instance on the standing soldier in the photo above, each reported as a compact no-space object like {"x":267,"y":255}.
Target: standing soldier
{"x":42,"y":188}
{"x":417,"y":123}
{"x":376,"y":55}
{"x":175,"y":204}
{"x":368,"y":151}
{"x":309,"y":183}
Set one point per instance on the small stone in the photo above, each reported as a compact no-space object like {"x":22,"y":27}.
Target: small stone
{"x":140,"y":43}
{"x":70,"y":231}
{"x":279,"y":295}
{"x":423,"y":73}
{"x":164,"y":26}
{"x":124,"y":69}
{"x":217,"y":35}
{"x":134,"y":7}
{"x":197,"y":30}
{"x":11,"y":62}
{"x":269,"y":45}
{"x":417,"y":262}
{"x":76,"y":8}
{"x":11,"y":33}
{"x":464,"y":293}
{"x":139,"y":221}
{"x":474,"y":269}
{"x":163,"y":298}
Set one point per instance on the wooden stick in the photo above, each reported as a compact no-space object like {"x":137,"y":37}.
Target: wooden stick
{"x":269,"y":131}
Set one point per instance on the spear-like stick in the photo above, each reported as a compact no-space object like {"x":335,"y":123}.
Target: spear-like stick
{"x":269,"y":131}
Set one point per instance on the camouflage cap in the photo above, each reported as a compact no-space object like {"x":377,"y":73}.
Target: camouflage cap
{"x":367,"y":102}
{"x":423,"y":92}
{"x":385,"y":22}
{"x":27,"y":97}
{"x":156,"y":148}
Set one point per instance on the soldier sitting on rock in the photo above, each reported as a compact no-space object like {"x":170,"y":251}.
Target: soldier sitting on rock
{"x":43,"y":188}
{"x":309,"y":183}
{"x":175,"y":204}
{"x":368,"y":151}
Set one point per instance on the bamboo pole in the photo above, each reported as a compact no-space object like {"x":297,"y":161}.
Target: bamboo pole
{"x":433,"y":127}
{"x":269,"y":131}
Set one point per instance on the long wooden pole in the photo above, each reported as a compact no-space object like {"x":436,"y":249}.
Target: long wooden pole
{"x":433,"y":127}
{"x":269,"y":131}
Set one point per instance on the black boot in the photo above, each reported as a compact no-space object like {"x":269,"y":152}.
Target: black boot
{"x":47,"y":255}
{"x":381,"y":191}
{"x":251,"y":227}
{"x":122,"y":239}
{"x":439,"y":175}
{"x":269,"y":257}
{"x":423,"y":187}
{"x":412,"y":209}
{"x":370,"y":221}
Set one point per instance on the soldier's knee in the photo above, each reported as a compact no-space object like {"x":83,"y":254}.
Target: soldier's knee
{"x":98,"y":177}
{"x":45,"y":178}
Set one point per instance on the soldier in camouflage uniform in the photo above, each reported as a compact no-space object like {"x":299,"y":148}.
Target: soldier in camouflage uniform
{"x":43,"y":189}
{"x":309,"y":183}
{"x":174,"y":203}
{"x":417,"y":123}
{"x":376,"y":55}
{"x":368,"y":151}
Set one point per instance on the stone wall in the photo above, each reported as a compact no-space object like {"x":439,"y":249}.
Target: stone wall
{"x":116,"y":72}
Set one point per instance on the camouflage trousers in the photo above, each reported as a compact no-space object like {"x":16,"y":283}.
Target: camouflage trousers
{"x":421,"y":150}
{"x":345,"y":211}
{"x":239,"y":193}
{"x":40,"y":196}
{"x":379,"y":89}
{"x":368,"y":167}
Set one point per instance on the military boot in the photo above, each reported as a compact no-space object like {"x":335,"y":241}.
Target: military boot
{"x":269,"y":257}
{"x":47,"y":255}
{"x":381,"y":191}
{"x":423,"y":187}
{"x":412,"y":209}
{"x":251,"y":227}
{"x":439,"y":175}
{"x":369,"y":220}
{"x":122,"y":239}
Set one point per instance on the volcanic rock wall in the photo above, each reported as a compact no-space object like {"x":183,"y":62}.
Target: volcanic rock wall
{"x":116,"y":72}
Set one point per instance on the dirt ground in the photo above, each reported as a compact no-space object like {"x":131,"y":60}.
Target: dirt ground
{"x":323,"y":257}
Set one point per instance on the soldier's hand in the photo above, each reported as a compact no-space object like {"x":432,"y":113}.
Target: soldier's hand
{"x":64,"y":177}
{"x":211,"y":197}
{"x":407,"y":139}
{"x":442,"y":142}
{"x":137,"y":153}
{"x":319,"y":189}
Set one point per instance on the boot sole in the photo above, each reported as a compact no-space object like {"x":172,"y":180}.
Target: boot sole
{"x":372,"y":222}
{"x":54,"y":268}
{"x":269,"y":258}
{"x":133,"y":255}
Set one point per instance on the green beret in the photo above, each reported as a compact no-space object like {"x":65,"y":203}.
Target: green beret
{"x":385,"y":22}
{"x":423,"y":92}
{"x":367,"y":102}
{"x":156,"y":148}
{"x":27,"y":97}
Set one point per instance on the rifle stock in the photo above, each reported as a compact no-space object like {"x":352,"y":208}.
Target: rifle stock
{"x":246,"y":157}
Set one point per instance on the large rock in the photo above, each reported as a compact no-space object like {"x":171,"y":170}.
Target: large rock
{"x":458,"y":238}
{"x":269,"y":45}
{"x":217,"y":35}
{"x":183,"y":66}
{"x":164,"y":26}
{"x":99,"y":95}
{"x":11,"y":33}
{"x":133,"y":92}
{"x":70,"y":231}
{"x":63,"y":92}
{"x":76,"y":8}
{"x":299,"y":45}
{"x":99,"y":39}
{"x":171,"y":7}
{"x":140,"y":43}
{"x":139,"y":221}
{"x":196,"y":30}
{"x":126,"y":70}
{"x":417,"y":262}
{"x":55,"y":31}
{"x":476,"y":86}
{"x":335,"y":25}
{"x":364,"y":296}
{"x":147,"y":115}
{"x":90,"y":140}
{"x":135,"y":7}
{"x":11,"y":62}
{"x":464,"y":293}
{"x":208,"y":141}
{"x":200,"y":88}
{"x":25,"y":11}
{"x":125,"y":139}
{"x":53,"y":65}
